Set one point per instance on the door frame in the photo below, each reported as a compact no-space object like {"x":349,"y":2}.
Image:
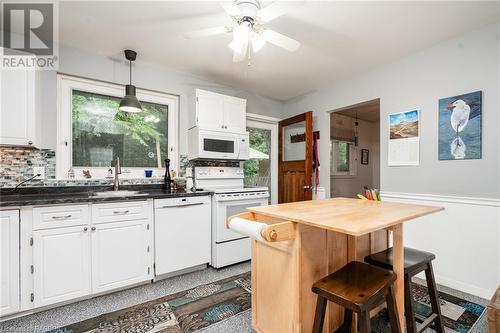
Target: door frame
{"x":269,"y":123}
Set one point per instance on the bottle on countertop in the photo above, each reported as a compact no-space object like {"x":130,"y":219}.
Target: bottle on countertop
{"x":167,"y":178}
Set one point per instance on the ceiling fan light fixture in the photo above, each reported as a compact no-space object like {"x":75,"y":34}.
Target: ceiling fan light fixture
{"x":241,"y":36}
{"x":258,"y":41}
{"x":130,"y":103}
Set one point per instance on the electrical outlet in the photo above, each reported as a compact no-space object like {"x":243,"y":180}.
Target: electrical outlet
{"x":39,"y":170}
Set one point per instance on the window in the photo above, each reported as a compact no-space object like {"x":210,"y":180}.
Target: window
{"x":343,"y":158}
{"x":92,"y":132}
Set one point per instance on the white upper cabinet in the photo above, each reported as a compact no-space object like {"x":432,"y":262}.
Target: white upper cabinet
{"x":17,"y":107}
{"x":9,"y":262}
{"x":220,"y":112}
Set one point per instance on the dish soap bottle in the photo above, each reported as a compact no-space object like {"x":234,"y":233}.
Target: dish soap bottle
{"x":167,"y":178}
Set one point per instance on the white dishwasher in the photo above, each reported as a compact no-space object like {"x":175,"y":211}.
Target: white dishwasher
{"x":182,"y":233}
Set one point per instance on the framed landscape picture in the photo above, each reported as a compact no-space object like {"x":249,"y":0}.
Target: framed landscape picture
{"x":460,"y":127}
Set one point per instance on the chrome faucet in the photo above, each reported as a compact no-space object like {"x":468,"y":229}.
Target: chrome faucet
{"x":118,"y":170}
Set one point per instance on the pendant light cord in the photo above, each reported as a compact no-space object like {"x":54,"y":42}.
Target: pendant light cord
{"x":130,"y":71}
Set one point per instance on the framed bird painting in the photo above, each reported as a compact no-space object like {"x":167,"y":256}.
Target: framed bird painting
{"x":460,"y":126}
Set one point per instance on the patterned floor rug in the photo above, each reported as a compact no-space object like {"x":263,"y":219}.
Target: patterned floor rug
{"x":183,"y":312}
{"x":459,"y":315}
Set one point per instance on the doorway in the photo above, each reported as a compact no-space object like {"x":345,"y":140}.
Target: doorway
{"x":261,"y":169}
{"x":355,"y":149}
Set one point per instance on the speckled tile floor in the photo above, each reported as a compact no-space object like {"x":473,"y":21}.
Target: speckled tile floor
{"x":72,"y":313}
{"x":241,"y":323}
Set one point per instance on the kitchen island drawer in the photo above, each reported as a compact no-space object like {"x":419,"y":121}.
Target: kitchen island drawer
{"x":120,"y":211}
{"x":182,"y":202}
{"x":60,"y":216}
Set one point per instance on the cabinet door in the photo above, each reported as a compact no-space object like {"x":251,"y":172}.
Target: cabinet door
{"x":121,"y":254}
{"x":61,"y":260}
{"x":9,"y":262}
{"x":235,"y":114}
{"x":17,"y":107}
{"x":182,"y":237}
{"x":209,"y":110}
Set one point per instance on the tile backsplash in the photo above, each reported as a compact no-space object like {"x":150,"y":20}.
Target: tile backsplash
{"x":17,"y":163}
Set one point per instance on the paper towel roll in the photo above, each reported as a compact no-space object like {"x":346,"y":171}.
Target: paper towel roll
{"x":247,"y":228}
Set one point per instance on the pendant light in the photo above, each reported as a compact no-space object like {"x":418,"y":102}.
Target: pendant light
{"x":356,"y":124}
{"x":130,"y":103}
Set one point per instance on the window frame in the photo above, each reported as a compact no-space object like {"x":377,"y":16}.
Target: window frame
{"x":352,"y":160}
{"x":64,"y":149}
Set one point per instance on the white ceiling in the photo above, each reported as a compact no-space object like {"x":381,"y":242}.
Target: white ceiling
{"x":339,"y":39}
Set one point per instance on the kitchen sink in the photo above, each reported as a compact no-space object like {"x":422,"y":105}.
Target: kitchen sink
{"x":108,"y":194}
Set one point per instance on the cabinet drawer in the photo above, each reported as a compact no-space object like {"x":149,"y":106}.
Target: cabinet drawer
{"x":185,"y":201}
{"x":121,"y":211}
{"x":60,"y":216}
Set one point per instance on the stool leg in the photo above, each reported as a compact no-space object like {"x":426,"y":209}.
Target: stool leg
{"x":364,"y":322}
{"x":347,"y":325}
{"x":411,"y":325}
{"x":434,"y":297}
{"x":392,"y":310}
{"x":320,"y":315}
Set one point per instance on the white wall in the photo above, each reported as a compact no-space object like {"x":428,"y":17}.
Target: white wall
{"x":147,"y":76}
{"x":464,"y":64}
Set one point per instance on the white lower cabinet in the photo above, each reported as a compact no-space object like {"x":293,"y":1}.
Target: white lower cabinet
{"x":121,"y":254}
{"x":61,"y":264}
{"x":182,"y":233}
{"x":9,"y":262}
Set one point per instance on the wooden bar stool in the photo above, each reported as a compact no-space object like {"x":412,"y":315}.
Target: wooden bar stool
{"x":415,"y":261}
{"x":358,"y":287}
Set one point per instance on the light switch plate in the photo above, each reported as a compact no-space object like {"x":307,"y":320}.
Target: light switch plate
{"x":39,"y":170}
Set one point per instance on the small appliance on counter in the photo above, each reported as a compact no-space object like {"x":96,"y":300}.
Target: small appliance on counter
{"x":230,"y":197}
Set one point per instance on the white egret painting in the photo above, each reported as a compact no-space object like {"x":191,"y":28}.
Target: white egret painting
{"x":460,"y":127}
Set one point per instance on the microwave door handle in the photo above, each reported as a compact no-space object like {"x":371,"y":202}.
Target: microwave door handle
{"x":237,"y":148}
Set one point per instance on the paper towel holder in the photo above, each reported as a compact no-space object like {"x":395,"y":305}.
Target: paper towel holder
{"x":276,"y":232}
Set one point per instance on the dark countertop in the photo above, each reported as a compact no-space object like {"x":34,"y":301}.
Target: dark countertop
{"x":35,"y":196}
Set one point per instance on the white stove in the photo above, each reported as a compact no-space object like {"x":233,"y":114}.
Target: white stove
{"x":231,"y":197}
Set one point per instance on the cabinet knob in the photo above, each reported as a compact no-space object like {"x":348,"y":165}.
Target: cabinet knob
{"x":93,"y":228}
{"x":30,"y":142}
{"x":85,"y":228}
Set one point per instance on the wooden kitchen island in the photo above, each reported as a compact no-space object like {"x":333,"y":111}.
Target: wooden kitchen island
{"x":305,"y":241}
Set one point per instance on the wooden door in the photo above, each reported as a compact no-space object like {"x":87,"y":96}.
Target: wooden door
{"x":61,"y":264}
{"x":121,"y":254}
{"x":9,"y":262}
{"x":295,"y":158}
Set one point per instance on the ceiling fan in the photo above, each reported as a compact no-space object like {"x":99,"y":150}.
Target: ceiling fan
{"x":248,"y":28}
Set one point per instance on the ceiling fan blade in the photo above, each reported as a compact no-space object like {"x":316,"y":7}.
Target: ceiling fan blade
{"x":240,"y":56}
{"x":280,"y":40}
{"x":277,"y":9}
{"x":207,"y":32}
{"x":231,"y":8}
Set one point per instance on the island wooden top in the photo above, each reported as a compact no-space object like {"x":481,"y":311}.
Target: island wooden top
{"x":349,"y":216}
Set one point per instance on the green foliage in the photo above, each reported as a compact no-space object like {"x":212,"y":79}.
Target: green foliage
{"x":260,"y":140}
{"x":98,"y":123}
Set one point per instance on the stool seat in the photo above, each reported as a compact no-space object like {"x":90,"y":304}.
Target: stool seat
{"x":415,"y":260}
{"x":354,"y":285}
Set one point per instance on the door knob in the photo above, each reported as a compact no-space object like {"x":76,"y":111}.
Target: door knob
{"x":307,"y":187}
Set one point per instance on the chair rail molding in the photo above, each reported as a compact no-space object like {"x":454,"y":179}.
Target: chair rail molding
{"x":478,"y":201}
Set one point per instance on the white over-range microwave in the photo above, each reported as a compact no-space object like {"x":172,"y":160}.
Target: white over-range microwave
{"x":209,"y":144}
